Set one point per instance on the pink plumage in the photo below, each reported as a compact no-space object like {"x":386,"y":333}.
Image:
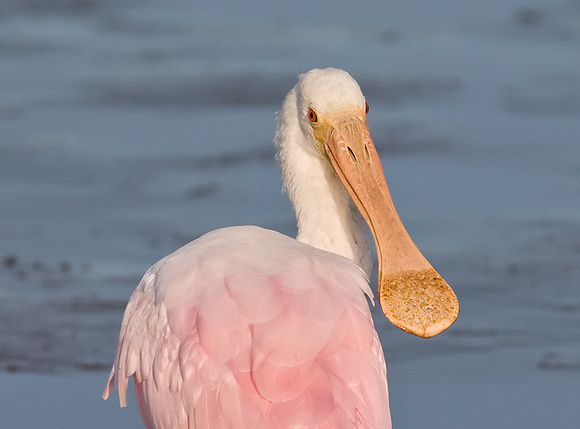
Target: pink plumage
{"x":227,"y":333}
{"x":247,"y":328}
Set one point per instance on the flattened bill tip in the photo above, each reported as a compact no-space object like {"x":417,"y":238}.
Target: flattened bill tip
{"x":418,"y":302}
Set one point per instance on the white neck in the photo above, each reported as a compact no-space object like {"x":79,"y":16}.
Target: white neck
{"x":326,"y":216}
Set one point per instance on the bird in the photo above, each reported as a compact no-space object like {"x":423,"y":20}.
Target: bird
{"x":245,"y":327}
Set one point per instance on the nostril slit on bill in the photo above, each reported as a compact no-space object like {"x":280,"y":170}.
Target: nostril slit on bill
{"x":352,"y":155}
{"x":367,"y":154}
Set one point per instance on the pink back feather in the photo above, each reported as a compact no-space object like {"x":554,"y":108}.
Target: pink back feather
{"x":247,"y":328}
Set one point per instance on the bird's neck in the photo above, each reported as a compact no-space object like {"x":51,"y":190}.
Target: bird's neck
{"x":326,"y":216}
{"x":327,"y":219}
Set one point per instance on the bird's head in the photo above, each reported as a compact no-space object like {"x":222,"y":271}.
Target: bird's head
{"x":332,"y":114}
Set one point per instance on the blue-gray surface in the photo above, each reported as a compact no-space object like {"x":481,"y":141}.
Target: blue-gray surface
{"x":129,"y":128}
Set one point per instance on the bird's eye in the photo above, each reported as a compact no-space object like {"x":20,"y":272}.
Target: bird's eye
{"x":366,"y":107}
{"x":312,"y":115}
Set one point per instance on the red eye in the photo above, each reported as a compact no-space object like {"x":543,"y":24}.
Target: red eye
{"x":366,"y":107}
{"x":312,"y":115}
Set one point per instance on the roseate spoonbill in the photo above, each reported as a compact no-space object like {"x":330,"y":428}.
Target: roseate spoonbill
{"x":247,"y":328}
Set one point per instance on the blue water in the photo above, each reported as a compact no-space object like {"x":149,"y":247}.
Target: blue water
{"x":128,"y":129}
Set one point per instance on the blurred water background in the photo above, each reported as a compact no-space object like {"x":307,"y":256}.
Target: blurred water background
{"x":128,"y":128}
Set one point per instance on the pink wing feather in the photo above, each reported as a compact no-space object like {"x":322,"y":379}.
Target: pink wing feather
{"x":247,"y":328}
